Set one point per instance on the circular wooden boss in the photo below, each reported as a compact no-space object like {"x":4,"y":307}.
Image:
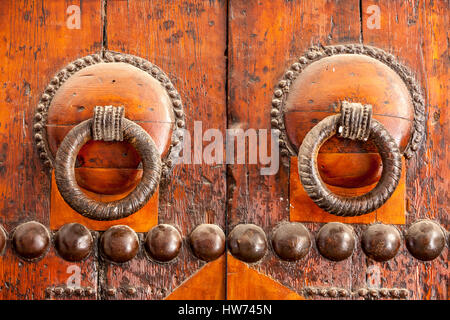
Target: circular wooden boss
{"x":146,"y":103}
{"x":316,"y":93}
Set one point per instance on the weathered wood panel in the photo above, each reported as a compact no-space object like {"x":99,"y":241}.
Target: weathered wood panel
{"x":265,"y":38}
{"x":35,"y":44}
{"x":417,"y":33}
{"x":187,"y":40}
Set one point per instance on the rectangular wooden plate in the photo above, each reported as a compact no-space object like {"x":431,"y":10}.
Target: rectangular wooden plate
{"x":303,"y":209}
{"x":61,"y":213}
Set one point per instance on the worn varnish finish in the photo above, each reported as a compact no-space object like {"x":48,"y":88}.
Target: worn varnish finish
{"x":35,"y":44}
{"x":415,"y":32}
{"x":265,"y":38}
{"x":264,"y":41}
{"x":188,"y":41}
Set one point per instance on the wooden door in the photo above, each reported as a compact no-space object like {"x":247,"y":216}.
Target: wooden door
{"x":221,"y":65}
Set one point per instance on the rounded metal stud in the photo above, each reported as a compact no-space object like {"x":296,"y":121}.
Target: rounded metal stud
{"x":58,"y":291}
{"x":381,"y":242}
{"x":111,"y":292}
{"x":3,"y":239}
{"x":79,"y":292}
{"x":89,"y":291}
{"x":163,"y":242}
{"x":291,"y":241}
{"x":336,"y":241}
{"x":131,"y":291}
{"x":247,"y":242}
{"x":31,"y":240}
{"x":425,"y":240}
{"x":73,"y":242}
{"x":363,"y":292}
{"x":207,"y":242}
{"x":69,"y":291}
{"x":119,"y":243}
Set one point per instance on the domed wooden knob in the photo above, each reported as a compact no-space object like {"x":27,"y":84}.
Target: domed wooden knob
{"x":163,"y":242}
{"x":291,"y":241}
{"x":336,"y":241}
{"x":108,"y":78}
{"x":425,"y":240}
{"x":381,"y":242}
{"x":247,"y":242}
{"x":324,"y":76}
{"x":31,"y":240}
{"x":73,"y":242}
{"x":207,"y":242}
{"x":119,"y":243}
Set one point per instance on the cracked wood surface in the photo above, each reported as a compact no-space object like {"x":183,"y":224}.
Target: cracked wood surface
{"x":188,"y":40}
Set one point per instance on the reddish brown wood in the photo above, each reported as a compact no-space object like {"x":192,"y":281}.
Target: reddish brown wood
{"x":244,"y":283}
{"x":265,"y":38}
{"x":35,"y":44}
{"x":145,"y":102}
{"x":356,"y":78}
{"x":141,"y":221}
{"x":188,"y":41}
{"x":415,"y":32}
{"x":349,"y":170}
{"x":206,"y":284}
{"x":302,"y":208}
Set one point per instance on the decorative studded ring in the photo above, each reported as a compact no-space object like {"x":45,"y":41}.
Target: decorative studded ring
{"x":348,"y":206}
{"x":77,"y":199}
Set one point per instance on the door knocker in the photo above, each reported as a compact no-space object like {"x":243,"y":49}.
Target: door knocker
{"x":359,"y":93}
{"x":100,"y":121}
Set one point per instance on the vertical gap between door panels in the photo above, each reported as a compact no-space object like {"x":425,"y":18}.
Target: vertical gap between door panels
{"x":101,"y":266}
{"x":104,"y":24}
{"x":227,"y":73}
{"x":361,"y":35}
{"x":361,"y":40}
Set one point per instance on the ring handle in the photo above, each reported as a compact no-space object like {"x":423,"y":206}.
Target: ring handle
{"x":97,"y":210}
{"x":310,"y":176}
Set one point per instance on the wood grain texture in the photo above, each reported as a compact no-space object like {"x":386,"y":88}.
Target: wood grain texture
{"x":416,"y":32}
{"x":303,"y":209}
{"x":356,"y":78}
{"x":244,"y":283}
{"x":35,"y":44}
{"x":187,"y":40}
{"x":61,"y":213}
{"x":145,"y":102}
{"x":207,"y":284}
{"x":265,"y":38}
{"x":413,"y":31}
{"x":354,"y":171}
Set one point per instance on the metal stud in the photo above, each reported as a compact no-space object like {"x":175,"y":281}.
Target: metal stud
{"x":291,"y":241}
{"x":131,"y":291}
{"x":207,"y":242}
{"x":380,"y":242}
{"x":425,"y":240}
{"x":111,"y":292}
{"x":79,"y":292}
{"x":31,"y":240}
{"x":58,"y":291}
{"x":247,"y":242}
{"x":119,"y":243}
{"x":73,"y":242}
{"x":163,"y":242}
{"x":336,"y":241}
